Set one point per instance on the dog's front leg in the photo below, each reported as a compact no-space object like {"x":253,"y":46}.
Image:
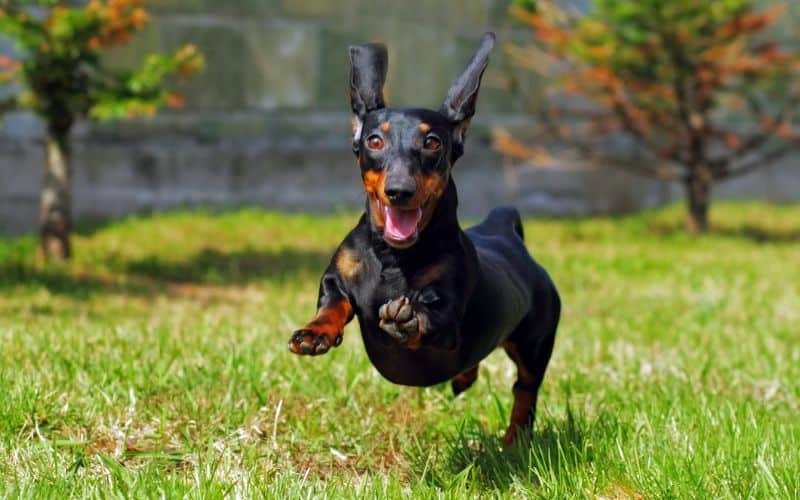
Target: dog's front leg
{"x":334,"y":311}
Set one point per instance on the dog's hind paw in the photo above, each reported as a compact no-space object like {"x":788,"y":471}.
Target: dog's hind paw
{"x":313,"y":343}
{"x":401,"y":322}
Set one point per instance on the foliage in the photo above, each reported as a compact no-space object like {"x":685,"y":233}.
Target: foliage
{"x":702,"y":88}
{"x":60,"y":66}
{"x":60,"y":76}
{"x":155,"y":364}
{"x":528,"y":5}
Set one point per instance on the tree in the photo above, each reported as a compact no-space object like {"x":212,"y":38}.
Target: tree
{"x":61,"y":77}
{"x":695,"y":89}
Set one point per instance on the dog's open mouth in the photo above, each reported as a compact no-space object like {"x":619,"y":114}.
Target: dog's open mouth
{"x":401,"y":228}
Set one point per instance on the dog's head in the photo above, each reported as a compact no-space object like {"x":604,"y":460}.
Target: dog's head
{"x":406,"y":155}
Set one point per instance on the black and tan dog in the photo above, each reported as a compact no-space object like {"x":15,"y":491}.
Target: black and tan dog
{"x":432,"y":300}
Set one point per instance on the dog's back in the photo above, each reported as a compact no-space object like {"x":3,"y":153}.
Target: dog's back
{"x":512,"y":286}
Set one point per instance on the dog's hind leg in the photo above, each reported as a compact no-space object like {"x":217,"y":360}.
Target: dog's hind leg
{"x":530,"y":347}
{"x":464,"y":380}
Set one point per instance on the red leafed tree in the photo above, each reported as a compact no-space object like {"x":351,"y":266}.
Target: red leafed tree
{"x":687,"y":90}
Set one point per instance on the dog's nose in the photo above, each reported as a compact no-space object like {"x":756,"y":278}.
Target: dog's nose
{"x":400,"y":190}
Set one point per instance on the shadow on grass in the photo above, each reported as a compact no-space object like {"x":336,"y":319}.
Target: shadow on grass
{"x":213,"y":267}
{"x":90,"y":226}
{"x":59,"y":280}
{"x":760,"y":234}
{"x":756,"y":233}
{"x":143,"y":277}
{"x":476,"y":456}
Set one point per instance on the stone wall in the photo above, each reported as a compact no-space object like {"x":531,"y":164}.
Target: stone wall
{"x":267,"y":124}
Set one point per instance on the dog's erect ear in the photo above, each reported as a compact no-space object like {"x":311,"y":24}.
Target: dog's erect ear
{"x":367,"y":75}
{"x":459,"y":105}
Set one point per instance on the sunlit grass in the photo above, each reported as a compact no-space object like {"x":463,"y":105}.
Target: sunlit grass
{"x":155,"y":364}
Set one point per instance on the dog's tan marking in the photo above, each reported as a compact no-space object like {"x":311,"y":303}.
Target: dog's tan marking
{"x":523,"y":400}
{"x":330,"y":320}
{"x":348,"y":264}
{"x":414,"y":342}
{"x":466,"y":378}
{"x":373,"y":181}
{"x":428,"y":275}
{"x":430,"y":189}
{"x":435,"y":185}
{"x":385,"y":126}
{"x":424,"y":128}
{"x":373,"y":185}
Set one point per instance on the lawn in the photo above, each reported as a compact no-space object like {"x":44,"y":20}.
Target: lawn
{"x":155,"y":364}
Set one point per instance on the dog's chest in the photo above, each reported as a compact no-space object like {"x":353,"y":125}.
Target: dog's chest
{"x":383,"y":286}
{"x":391,"y":280}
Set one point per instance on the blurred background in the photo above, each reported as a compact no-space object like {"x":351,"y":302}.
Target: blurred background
{"x":150,"y":354}
{"x":267,"y":122}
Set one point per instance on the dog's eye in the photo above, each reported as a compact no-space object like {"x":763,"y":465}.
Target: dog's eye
{"x":375,"y":142}
{"x":432,"y":143}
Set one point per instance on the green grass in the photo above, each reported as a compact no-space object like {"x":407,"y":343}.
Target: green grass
{"x":155,"y":364}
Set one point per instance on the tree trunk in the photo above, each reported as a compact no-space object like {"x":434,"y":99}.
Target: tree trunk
{"x":55,"y":217}
{"x":699,"y":198}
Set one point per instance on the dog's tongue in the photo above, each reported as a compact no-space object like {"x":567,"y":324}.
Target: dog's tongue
{"x":401,"y":224}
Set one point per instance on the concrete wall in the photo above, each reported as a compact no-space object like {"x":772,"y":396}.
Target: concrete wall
{"x":267,"y":124}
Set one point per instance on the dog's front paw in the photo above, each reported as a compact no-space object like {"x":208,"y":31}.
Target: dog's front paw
{"x":314,"y":342}
{"x":402,"y":322}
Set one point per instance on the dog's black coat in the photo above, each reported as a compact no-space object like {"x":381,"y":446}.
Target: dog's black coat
{"x":432,"y":307}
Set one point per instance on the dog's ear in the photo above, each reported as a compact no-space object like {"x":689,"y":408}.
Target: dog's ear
{"x":367,"y":75}
{"x":459,"y":105}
